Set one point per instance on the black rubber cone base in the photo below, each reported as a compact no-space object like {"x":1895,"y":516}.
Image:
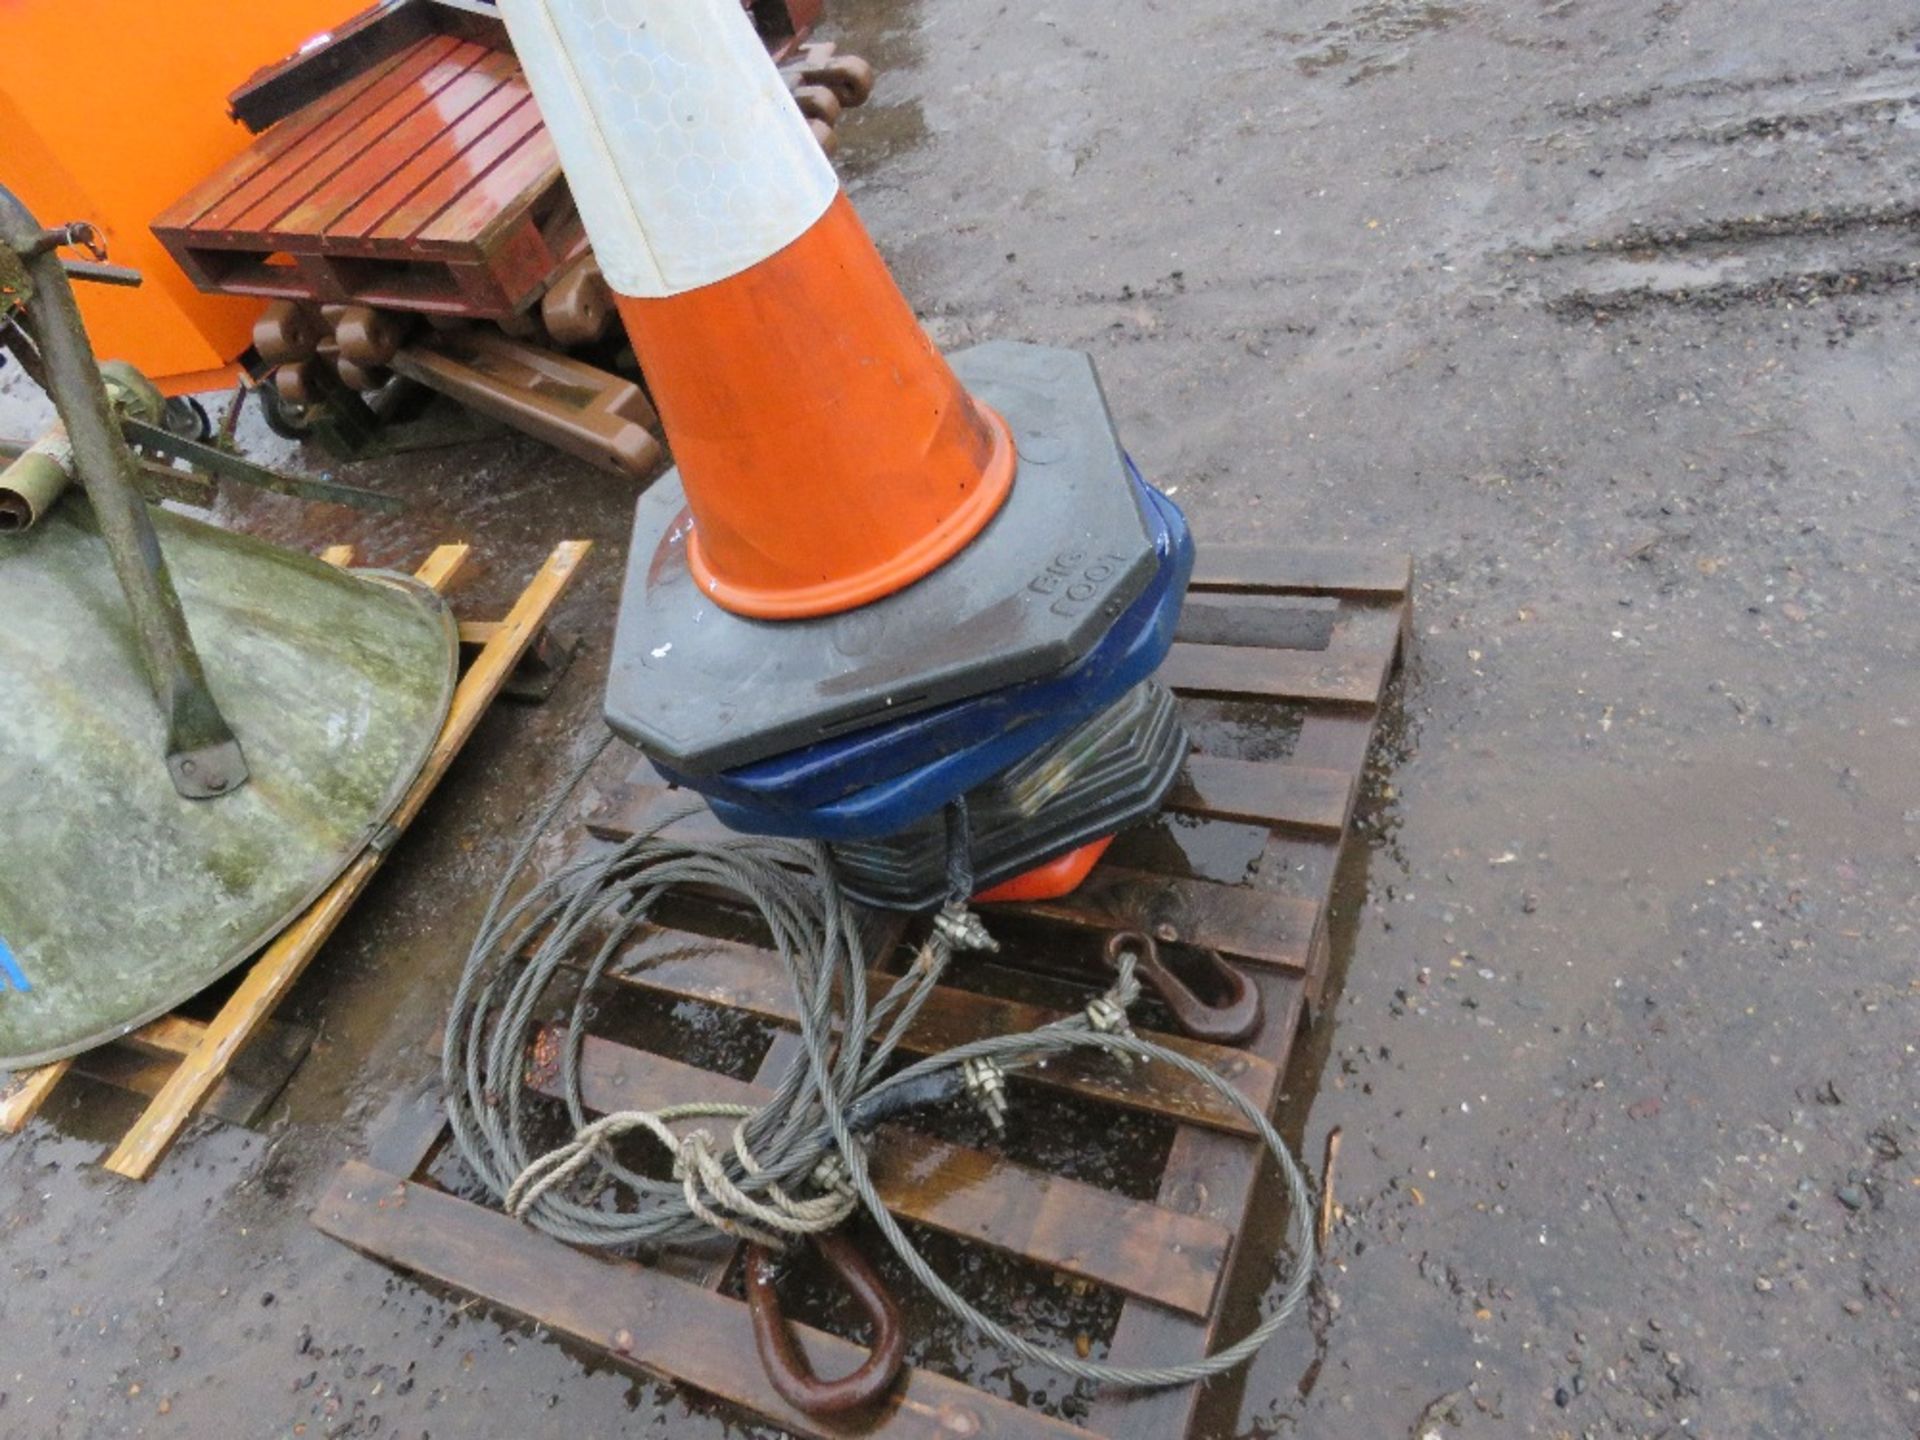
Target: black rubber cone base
{"x":703,"y":689}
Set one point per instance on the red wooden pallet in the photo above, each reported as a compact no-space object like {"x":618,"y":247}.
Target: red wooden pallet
{"x":1269,"y":639}
{"x":425,"y":183}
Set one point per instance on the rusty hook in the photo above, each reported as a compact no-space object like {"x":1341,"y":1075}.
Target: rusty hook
{"x":1226,"y":1021}
{"x":780,"y":1353}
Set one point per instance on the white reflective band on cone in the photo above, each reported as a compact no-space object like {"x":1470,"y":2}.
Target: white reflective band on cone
{"x":688,"y":159}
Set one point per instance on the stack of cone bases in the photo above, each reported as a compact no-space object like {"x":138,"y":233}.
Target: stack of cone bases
{"x":908,"y":604}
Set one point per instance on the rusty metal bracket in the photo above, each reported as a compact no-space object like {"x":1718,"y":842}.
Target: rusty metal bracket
{"x":203,"y":757}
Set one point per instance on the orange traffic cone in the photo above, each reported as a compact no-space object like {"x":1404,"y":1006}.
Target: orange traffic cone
{"x":828,"y":454}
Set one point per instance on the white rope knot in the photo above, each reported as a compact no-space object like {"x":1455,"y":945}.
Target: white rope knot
{"x":987,"y":1084}
{"x":711,"y":1192}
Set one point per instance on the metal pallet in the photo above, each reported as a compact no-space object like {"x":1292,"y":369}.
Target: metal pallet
{"x":1269,"y":637}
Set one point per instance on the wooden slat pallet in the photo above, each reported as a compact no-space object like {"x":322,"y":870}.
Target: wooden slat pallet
{"x":1269,"y":637}
{"x":234,"y":1064}
{"x":426,"y":182}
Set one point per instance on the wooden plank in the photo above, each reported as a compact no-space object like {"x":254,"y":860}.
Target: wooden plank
{"x":639,"y":1317}
{"x":1203,"y":1169}
{"x":314,"y":138}
{"x":406,"y":221}
{"x":1334,"y":676}
{"x":1265,"y":792}
{"x":26,"y":1092}
{"x":440,"y":569}
{"x":339,"y":556}
{"x":746,"y":978}
{"x":187,"y":210}
{"x":1210,"y":1177}
{"x":1367,"y":574}
{"x":1284,"y":622}
{"x":319,"y":216}
{"x":408,"y":1129}
{"x":500,"y":196}
{"x":142,"y":1062}
{"x":1136,"y":1248}
{"x":448,"y":153}
{"x":1259,"y":925}
{"x":339,"y":142}
{"x":281,"y":963}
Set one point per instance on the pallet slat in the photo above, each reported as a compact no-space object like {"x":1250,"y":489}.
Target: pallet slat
{"x":647,"y":1320}
{"x":1137,"y":1248}
{"x":1265,"y":792}
{"x":1286,"y":622}
{"x":26,"y":1092}
{"x":1264,"y":926}
{"x":453,"y":158}
{"x":341,"y":140}
{"x":1244,"y":672}
{"x":313,"y":131}
{"x":495,"y":197}
{"x":744,"y":978}
{"x":1213,"y":1178}
{"x":1287,"y":570}
{"x":421,"y":133}
{"x":426,"y":203}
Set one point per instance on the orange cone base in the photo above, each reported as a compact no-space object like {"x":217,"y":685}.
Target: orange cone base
{"x":898,"y":571}
{"x":1061,"y":876}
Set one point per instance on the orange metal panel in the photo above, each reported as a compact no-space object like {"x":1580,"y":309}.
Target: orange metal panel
{"x":110,"y":110}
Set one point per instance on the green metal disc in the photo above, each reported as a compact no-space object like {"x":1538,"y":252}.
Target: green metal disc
{"x":118,"y":898}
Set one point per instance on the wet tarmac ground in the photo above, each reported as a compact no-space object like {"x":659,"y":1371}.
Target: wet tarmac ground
{"x":1602,"y":309}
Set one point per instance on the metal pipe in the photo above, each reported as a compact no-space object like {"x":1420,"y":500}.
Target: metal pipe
{"x":203,"y":756}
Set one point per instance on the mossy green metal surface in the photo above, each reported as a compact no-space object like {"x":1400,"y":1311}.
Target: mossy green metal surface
{"x":118,"y":898}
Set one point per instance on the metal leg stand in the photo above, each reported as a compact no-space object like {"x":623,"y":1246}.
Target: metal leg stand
{"x":203,"y":757}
